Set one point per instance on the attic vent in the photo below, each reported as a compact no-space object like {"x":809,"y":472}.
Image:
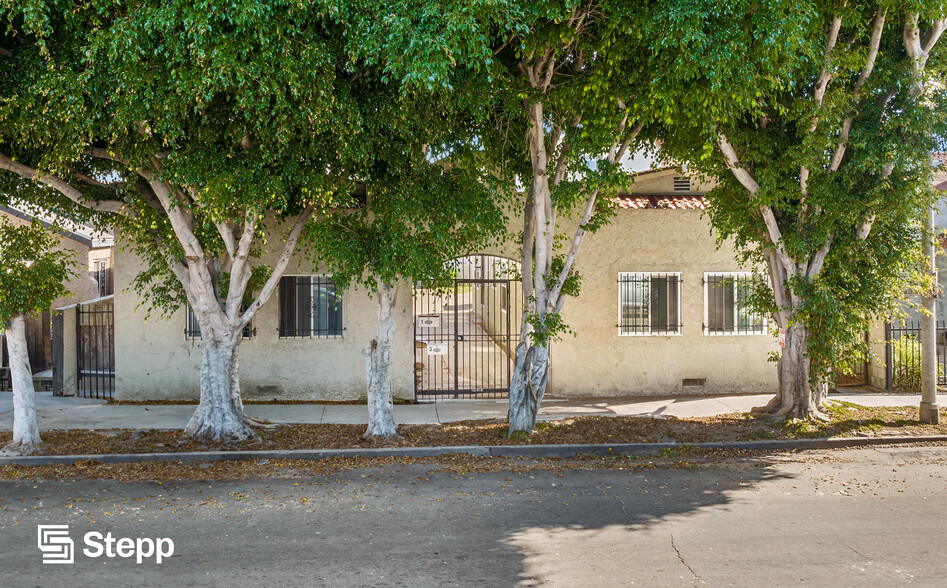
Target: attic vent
{"x":682,"y":184}
{"x":693,"y":382}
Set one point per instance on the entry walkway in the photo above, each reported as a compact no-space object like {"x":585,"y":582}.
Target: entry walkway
{"x":84,"y":413}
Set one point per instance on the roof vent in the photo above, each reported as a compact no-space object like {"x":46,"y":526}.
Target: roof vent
{"x":682,"y":184}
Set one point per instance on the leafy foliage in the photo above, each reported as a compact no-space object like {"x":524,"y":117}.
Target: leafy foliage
{"x":32,"y":271}
{"x":834,"y":139}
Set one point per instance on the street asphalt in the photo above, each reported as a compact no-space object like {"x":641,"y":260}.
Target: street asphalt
{"x":85,"y":413}
{"x":853,"y":517}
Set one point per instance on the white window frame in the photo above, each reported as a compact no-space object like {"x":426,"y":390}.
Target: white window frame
{"x":736,"y":323}
{"x":649,"y":275}
{"x":329,"y":277}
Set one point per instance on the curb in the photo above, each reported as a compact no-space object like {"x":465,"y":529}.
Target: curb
{"x":524,"y":451}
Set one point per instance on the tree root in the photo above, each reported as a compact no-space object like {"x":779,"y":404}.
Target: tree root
{"x":261,"y":424}
{"x":369,"y":436}
{"x":15,"y":449}
{"x":779,"y":413}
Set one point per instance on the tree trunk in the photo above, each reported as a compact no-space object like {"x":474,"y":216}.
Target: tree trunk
{"x":381,"y":421}
{"x":797,"y":397}
{"x":220,"y":416}
{"x":25,"y":425}
{"x":528,"y":385}
{"x":929,"y":411}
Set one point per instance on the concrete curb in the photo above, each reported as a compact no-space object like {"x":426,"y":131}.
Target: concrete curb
{"x":525,"y":451}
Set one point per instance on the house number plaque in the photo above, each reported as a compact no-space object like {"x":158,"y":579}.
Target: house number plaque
{"x":432,"y":321}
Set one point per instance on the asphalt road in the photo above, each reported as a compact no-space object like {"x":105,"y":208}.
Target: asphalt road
{"x":868,"y":517}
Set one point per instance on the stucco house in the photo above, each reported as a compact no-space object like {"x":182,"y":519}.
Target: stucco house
{"x":660,"y":312}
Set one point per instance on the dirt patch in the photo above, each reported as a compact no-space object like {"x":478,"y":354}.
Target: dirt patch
{"x":846,"y":420}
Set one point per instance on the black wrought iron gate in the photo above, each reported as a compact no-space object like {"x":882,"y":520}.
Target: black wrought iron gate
{"x":465,"y":338}
{"x":95,"y":348}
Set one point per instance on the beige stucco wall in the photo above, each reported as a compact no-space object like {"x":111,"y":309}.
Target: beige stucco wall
{"x":154,"y":360}
{"x":599,"y":362}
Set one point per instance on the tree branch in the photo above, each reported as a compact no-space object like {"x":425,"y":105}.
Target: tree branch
{"x":818,"y":93}
{"x":63,"y":187}
{"x":288,"y":249}
{"x":745,"y":178}
{"x":240,"y":265}
{"x":874,"y":43}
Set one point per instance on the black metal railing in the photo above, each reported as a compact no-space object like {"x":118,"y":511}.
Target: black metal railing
{"x":95,"y":349}
{"x":6,"y":382}
{"x":650,"y":304}
{"x":728,"y":310}
{"x":904,"y":355}
{"x":192,"y":329}
{"x":310,"y":306}
{"x":466,"y":337}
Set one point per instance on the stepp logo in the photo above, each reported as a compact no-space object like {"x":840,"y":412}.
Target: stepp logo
{"x":55,"y":543}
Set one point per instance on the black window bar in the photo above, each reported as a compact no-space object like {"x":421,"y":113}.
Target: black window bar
{"x":310,"y":306}
{"x":103,"y":276}
{"x":192,"y":330}
{"x":727,"y":305}
{"x":650,"y":304}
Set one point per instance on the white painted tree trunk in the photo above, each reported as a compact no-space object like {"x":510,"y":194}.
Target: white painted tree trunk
{"x":377,"y":356}
{"x":220,"y":416}
{"x":26,"y":438}
{"x":527,"y":385}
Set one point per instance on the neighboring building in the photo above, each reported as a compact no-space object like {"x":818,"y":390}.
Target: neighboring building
{"x":91,"y":254}
{"x":660,"y":312}
{"x":898,"y":365}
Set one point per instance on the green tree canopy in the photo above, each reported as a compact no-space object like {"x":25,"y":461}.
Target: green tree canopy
{"x":33,"y":272}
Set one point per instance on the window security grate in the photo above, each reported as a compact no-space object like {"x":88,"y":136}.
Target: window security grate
{"x":192,"y":330}
{"x":310,"y":306}
{"x":649,"y":304}
{"x":727,"y":305}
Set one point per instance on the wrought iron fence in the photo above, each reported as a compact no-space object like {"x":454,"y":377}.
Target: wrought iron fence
{"x":904,"y":355}
{"x":95,"y":347}
{"x":5,"y":380}
{"x":465,"y":337}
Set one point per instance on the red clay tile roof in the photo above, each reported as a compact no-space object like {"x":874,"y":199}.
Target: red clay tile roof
{"x":662,"y":201}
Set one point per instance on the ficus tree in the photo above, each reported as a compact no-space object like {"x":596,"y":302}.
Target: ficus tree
{"x":207,"y":135}
{"x":33,"y":273}
{"x":429,"y":72}
{"x":821,"y":143}
{"x":421,"y":210}
{"x":582,"y":98}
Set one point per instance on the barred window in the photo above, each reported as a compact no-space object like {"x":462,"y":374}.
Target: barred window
{"x":192,"y":329}
{"x":103,"y":276}
{"x":726,"y":305}
{"x":310,"y":306}
{"x":650,"y":303}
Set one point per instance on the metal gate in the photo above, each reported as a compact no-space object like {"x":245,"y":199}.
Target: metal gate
{"x":465,"y":338}
{"x":95,"y":348}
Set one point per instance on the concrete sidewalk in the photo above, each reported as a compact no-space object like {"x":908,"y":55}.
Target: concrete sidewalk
{"x":84,"y":413}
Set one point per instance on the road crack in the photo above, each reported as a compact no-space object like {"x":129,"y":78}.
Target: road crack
{"x":684,"y":563}
{"x":615,"y":496}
